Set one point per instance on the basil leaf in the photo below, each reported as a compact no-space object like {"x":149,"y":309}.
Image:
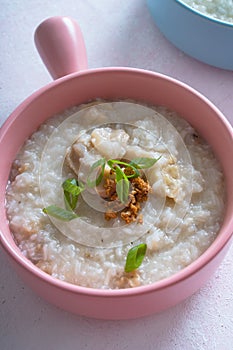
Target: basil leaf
{"x":60,"y":213}
{"x":99,"y":163}
{"x":122,"y":190}
{"x":143,"y":163}
{"x":135,"y":257}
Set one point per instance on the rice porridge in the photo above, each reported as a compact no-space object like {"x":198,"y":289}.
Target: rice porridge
{"x":219,"y":9}
{"x":100,"y":180}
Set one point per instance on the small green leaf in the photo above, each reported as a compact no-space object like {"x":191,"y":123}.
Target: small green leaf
{"x":143,"y":163}
{"x":70,"y":201}
{"x":135,"y":171}
{"x":99,"y":163}
{"x":122,"y":190}
{"x":71,"y":193}
{"x":60,"y":213}
{"x":119,"y":173}
{"x":135,"y":257}
{"x":122,"y":185}
{"x":112,"y":162}
{"x":113,"y":165}
{"x":71,"y":186}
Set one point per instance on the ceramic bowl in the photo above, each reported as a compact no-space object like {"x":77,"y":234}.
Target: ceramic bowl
{"x":198,"y":35}
{"x":109,"y":83}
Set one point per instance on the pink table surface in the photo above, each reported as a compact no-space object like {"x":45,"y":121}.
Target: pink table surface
{"x":117,"y":33}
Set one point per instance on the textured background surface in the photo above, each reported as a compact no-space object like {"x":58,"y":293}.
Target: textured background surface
{"x":117,"y":33}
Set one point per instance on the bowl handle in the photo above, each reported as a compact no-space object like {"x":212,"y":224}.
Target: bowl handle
{"x":60,"y":44}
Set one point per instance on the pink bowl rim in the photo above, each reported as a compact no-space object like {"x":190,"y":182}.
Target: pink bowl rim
{"x":198,"y":264}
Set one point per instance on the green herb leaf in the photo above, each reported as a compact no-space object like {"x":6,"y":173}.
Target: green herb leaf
{"x":99,"y":163}
{"x":122,"y":190}
{"x":134,"y":174}
{"x":135,"y":257}
{"x":60,"y":213}
{"x":122,"y":185}
{"x":113,"y":164}
{"x":72,"y":186}
{"x":143,"y":163}
{"x":70,"y":201}
{"x":71,"y":192}
{"x":119,"y":173}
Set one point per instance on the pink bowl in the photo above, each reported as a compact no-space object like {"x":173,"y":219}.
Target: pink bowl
{"x":111,"y":83}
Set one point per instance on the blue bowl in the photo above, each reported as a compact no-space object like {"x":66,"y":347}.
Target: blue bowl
{"x":202,"y":37}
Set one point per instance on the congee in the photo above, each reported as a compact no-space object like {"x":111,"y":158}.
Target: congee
{"x":114,"y":195}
